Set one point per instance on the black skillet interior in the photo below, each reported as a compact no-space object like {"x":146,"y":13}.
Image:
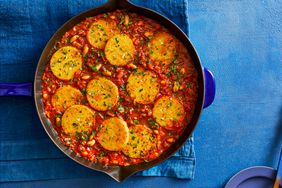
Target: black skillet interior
{"x":117,"y":172}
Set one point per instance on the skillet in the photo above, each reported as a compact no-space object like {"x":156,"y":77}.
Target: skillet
{"x":206,"y":88}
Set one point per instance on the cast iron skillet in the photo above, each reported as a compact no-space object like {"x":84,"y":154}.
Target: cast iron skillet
{"x":205,"y":96}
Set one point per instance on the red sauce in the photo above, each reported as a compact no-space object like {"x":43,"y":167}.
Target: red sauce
{"x":139,"y":30}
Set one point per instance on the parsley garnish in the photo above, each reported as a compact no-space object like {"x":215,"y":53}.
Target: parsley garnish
{"x":94,"y":68}
{"x":153,"y":123}
{"x":136,"y":121}
{"x":83,"y":91}
{"x":122,"y":87}
{"x":121,"y":108}
{"x":102,"y":54}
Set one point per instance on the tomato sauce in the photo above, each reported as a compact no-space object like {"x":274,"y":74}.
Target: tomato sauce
{"x":179,"y":79}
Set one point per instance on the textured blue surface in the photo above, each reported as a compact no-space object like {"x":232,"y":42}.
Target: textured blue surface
{"x":241,"y":42}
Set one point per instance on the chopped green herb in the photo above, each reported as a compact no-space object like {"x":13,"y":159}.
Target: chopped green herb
{"x":83,"y":91}
{"x":94,"y":68}
{"x":67,"y":41}
{"x":121,"y":108}
{"x":153,"y":123}
{"x":102,"y":154}
{"x":84,"y":137}
{"x":122,"y":87}
{"x":121,"y":19}
{"x":50,"y":83}
{"x":86,"y":57}
{"x":173,"y":68}
{"x":58,"y":115}
{"x":136,"y":121}
{"x":93,"y":133}
{"x":102,"y":54}
{"x":179,"y":75}
{"x":135,"y":71}
{"x":78,"y":134}
{"x":107,"y":96}
{"x":141,"y":73}
{"x":135,"y":61}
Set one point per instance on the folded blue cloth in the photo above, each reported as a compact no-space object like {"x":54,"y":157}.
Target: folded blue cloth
{"x":26,"y":152}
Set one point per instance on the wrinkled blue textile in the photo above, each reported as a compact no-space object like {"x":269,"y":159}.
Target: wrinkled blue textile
{"x":26,"y":152}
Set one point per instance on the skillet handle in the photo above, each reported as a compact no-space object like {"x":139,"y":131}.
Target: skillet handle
{"x":209,"y":88}
{"x":21,"y":89}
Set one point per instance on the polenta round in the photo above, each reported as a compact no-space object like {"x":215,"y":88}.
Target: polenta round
{"x":102,"y":94}
{"x":119,"y":50}
{"x":78,"y":118}
{"x":114,"y":134}
{"x":168,"y":110}
{"x":162,"y":48}
{"x":65,"y":97}
{"x":65,"y":62}
{"x":141,"y":141}
{"x":142,"y":86}
{"x":99,"y":33}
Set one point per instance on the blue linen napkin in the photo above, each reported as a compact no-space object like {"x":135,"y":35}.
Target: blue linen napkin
{"x":26,"y":152}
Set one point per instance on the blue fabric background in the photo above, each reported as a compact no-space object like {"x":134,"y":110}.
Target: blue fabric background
{"x":26,"y":153}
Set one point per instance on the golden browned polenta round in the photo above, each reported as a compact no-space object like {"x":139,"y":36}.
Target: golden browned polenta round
{"x":114,"y":134}
{"x":99,"y":33}
{"x":142,"y":86}
{"x":102,"y":94}
{"x":162,"y":48}
{"x":167,"y":110}
{"x":65,"y":62}
{"x":78,"y":118}
{"x":141,"y":141}
{"x":65,"y":97}
{"x":119,"y":50}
